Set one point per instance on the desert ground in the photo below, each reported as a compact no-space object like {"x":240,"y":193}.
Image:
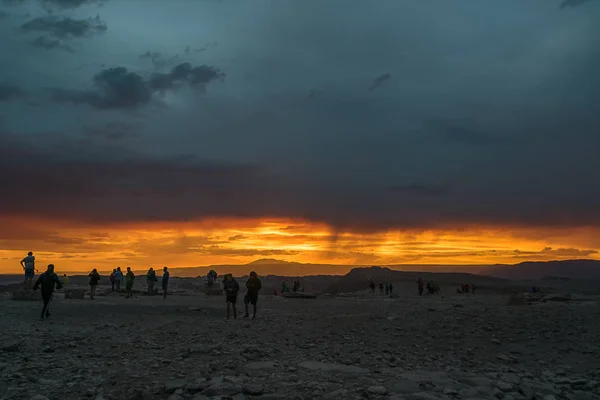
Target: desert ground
{"x":334,"y":347}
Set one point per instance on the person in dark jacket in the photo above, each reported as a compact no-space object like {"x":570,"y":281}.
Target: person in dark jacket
{"x":253,"y":285}
{"x":231,"y":288}
{"x":48,"y":280}
{"x":150,"y":280}
{"x":94,"y":279}
{"x":165,"y":282}
{"x":129,"y":278}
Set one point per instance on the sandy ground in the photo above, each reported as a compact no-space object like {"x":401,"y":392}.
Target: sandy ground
{"x":452,"y":347}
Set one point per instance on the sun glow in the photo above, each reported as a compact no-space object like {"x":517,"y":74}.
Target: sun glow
{"x":227,"y":241}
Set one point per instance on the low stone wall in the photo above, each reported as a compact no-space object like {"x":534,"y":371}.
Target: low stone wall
{"x":28,"y":295}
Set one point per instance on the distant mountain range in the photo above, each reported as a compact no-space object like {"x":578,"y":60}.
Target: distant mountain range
{"x":570,"y":269}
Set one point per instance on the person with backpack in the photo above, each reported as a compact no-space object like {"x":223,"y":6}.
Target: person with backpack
{"x":253,"y":285}
{"x":150,"y":280}
{"x":48,"y":281}
{"x":231,"y":288}
{"x":129,"y":278}
{"x":94,"y":279}
{"x":111,"y":279}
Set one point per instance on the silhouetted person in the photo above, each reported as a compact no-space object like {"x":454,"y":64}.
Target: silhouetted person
{"x":150,"y":280}
{"x":48,"y":280}
{"x":391,"y":288}
{"x":118,"y":279}
{"x":231,"y":288}
{"x":28,"y":264}
{"x":372,"y":286}
{"x":165,"y":281}
{"x":420,"y":284}
{"x":111,"y":278}
{"x":94,"y":279}
{"x":129,"y":278}
{"x":381,"y":289}
{"x":253,"y":285}
{"x":64,"y":280}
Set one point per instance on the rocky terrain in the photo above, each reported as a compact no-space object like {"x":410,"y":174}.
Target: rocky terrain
{"x":355,"y":347}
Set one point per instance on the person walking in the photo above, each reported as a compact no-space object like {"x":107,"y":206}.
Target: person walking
{"x":165,"y":281}
{"x":118,"y":279}
{"x":129,"y":278}
{"x":94,"y":279}
{"x":48,"y":281}
{"x":28,"y":264}
{"x":231,"y":288}
{"x":253,"y":286}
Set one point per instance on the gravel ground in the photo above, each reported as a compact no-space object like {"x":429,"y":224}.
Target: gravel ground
{"x":451,"y":347}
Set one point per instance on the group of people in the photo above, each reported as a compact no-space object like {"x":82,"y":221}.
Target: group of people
{"x":285,"y":289}
{"x":231,"y":288}
{"x":385,"y":289}
{"x":466,"y":288}
{"x":49,"y":281}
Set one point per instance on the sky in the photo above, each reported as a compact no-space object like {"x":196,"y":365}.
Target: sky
{"x":189,"y":133}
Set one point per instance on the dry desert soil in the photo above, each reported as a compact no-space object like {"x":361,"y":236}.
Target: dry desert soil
{"x":351,"y":347}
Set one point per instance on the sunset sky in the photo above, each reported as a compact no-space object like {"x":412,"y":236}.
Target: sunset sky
{"x":188,"y":133}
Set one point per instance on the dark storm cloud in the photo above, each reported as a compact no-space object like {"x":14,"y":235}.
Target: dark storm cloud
{"x":573,"y":3}
{"x":119,"y":88}
{"x":112,"y":131}
{"x":67,"y":4}
{"x":418,"y":189}
{"x":64,"y":27}
{"x":49,"y":43}
{"x":10,"y":92}
{"x":380,"y":80}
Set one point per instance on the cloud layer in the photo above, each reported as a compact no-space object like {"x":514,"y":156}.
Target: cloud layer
{"x":379,"y":116}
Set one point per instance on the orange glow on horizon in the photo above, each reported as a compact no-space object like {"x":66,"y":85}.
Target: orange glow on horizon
{"x":75,"y":248}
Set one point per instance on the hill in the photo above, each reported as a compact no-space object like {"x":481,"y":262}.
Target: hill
{"x":570,"y":269}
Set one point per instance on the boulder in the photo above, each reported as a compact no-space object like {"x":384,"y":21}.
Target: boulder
{"x":28,"y":295}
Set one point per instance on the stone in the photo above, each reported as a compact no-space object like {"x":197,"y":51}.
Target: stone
{"x":253,"y":390}
{"x":27,"y":295}
{"x":335,"y":395}
{"x":11,"y":347}
{"x":222,"y":389}
{"x":478,"y":381}
{"x":173,"y":385}
{"x":333,"y":368}
{"x":200,"y":349}
{"x":527,"y":391}
{"x":404,"y":387}
{"x":380,"y":390}
{"x":505,"y":386}
{"x":260,"y":366}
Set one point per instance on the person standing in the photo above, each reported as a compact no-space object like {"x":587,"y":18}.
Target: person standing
{"x":231,"y":288}
{"x":64,"y":280}
{"x":129,"y":278}
{"x":165,"y":281}
{"x":381,"y":289}
{"x":391,"y":289}
{"x":111,"y":278}
{"x":28,"y":264}
{"x":150,"y":280}
{"x":94,"y":279}
{"x":372,"y":287}
{"x":48,"y":280}
{"x":118,"y":278}
{"x":253,"y":285}
{"x":420,"y":285}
